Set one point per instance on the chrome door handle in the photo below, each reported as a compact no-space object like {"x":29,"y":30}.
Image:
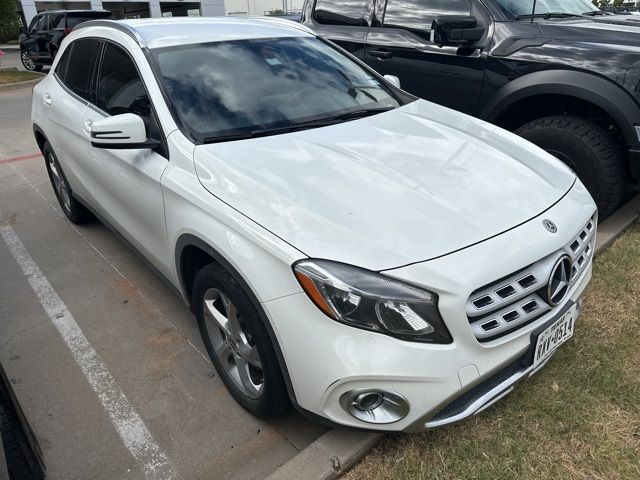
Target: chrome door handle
{"x":46,"y":99}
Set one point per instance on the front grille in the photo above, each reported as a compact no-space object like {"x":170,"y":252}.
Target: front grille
{"x":518,"y":299}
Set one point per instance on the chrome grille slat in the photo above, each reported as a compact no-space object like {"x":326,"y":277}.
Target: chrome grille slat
{"x":502,"y":323}
{"x":486,"y":308}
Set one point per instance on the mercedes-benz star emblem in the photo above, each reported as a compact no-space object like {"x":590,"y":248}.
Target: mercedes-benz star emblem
{"x":549,"y":225}
{"x":559,"y":281}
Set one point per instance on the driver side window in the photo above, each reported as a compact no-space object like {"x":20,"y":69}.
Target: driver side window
{"x":120,"y":88}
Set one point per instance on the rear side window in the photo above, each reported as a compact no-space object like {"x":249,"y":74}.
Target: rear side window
{"x":120,"y":88}
{"x":61,"y":68}
{"x":336,"y":12}
{"x":79,"y":67}
{"x":418,"y":15}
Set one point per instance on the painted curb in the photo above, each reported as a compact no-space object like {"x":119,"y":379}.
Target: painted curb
{"x":11,"y":87}
{"x":335,"y":452}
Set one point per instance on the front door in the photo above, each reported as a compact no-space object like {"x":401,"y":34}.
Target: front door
{"x":401,"y":46}
{"x":128,"y":190}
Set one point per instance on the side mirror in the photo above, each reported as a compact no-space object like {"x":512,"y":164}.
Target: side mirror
{"x":393,"y":80}
{"x":126,"y":131}
{"x":455,"y":31}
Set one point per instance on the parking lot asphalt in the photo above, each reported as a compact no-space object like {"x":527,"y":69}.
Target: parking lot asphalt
{"x":106,"y":361}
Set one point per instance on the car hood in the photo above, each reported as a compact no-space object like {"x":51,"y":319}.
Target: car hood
{"x":615,"y":30}
{"x":404,"y":186}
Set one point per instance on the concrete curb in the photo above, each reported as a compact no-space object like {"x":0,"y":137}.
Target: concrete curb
{"x":10,"y":87}
{"x":616,"y":224}
{"x":8,"y":48}
{"x":336,"y":451}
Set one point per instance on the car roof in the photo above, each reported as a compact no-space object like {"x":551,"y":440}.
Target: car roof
{"x":165,"y":32}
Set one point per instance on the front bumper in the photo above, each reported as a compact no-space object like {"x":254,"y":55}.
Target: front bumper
{"x":442,"y":384}
{"x":488,"y":391}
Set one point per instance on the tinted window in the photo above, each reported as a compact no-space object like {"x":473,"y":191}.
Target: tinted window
{"x":33,"y":24}
{"x":57,"y":21}
{"x":339,"y":12}
{"x":38,"y":23}
{"x":79,"y":66}
{"x":61,"y":68}
{"x":120,"y":88}
{"x":419,"y":14}
{"x":216,"y":91}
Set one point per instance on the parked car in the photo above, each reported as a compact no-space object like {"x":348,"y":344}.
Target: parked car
{"x":377,"y":260}
{"x":40,"y":43}
{"x":20,"y":455}
{"x":565,"y":79}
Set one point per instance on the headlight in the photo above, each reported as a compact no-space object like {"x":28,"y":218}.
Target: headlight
{"x":368,"y":300}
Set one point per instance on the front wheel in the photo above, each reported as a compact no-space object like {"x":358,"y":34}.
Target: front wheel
{"x":28,"y":63}
{"x":72,"y":208}
{"x":238,"y":343}
{"x":589,"y":150}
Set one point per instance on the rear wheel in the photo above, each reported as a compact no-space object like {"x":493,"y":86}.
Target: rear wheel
{"x":28,"y":63}
{"x":73,"y":210}
{"x":238,"y":343}
{"x":588,"y":150}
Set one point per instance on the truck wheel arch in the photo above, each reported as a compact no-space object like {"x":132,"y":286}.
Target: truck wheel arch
{"x":600,"y":92}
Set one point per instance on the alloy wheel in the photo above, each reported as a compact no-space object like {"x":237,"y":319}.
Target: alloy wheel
{"x":232,"y":343}
{"x":58,"y":183}
{"x":27,"y":61}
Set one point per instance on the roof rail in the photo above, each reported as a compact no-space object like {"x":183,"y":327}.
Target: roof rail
{"x":122,"y":27}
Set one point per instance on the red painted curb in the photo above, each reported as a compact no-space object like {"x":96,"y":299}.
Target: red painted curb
{"x":22,"y":157}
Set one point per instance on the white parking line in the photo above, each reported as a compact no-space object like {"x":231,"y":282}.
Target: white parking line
{"x":134,"y":433}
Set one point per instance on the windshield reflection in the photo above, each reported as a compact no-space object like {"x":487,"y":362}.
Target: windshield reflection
{"x":247,"y":85}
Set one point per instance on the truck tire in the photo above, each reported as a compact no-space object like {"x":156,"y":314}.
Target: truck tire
{"x":588,"y":149}
{"x":21,"y":461}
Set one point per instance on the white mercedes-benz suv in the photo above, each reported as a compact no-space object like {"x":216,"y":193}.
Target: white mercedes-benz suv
{"x":377,"y":260}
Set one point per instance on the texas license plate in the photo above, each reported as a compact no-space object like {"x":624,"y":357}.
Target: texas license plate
{"x":554,"y":336}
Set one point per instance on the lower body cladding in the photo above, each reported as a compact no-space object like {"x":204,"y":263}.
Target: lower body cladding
{"x":369,"y":380}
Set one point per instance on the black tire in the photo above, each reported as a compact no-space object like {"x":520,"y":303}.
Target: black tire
{"x":586,"y":148}
{"x":22,"y":463}
{"x":73,"y":210}
{"x":28,"y":63}
{"x":274,"y":399}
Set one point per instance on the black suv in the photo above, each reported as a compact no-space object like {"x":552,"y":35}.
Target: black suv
{"x":38,"y":45}
{"x":565,"y":78}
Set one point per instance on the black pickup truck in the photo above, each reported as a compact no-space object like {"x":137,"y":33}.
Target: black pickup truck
{"x":565,"y":76}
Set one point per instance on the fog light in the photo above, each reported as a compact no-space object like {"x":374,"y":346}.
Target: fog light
{"x":375,"y":406}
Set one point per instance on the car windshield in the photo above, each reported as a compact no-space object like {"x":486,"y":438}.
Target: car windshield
{"x":520,"y":8}
{"x":246,"y":88}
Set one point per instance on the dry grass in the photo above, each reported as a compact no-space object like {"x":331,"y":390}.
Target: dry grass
{"x":579,"y":418}
{"x":17,"y":76}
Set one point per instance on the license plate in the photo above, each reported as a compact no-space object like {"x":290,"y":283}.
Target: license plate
{"x":554,"y":336}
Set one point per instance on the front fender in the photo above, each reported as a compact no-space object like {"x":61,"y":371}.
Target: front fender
{"x":603,"y":93}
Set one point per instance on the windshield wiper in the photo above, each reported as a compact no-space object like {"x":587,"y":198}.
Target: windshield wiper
{"x":296,"y":126}
{"x":594,"y":13}
{"x":548,"y":15}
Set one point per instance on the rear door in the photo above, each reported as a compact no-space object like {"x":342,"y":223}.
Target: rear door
{"x":342,"y":22}
{"x":128,"y":189}
{"x":66,"y":103}
{"x":399,"y":44}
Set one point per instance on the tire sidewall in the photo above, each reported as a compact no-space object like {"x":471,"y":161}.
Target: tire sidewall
{"x":575,"y":151}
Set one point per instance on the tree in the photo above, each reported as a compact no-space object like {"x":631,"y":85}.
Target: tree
{"x":9,"y":21}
